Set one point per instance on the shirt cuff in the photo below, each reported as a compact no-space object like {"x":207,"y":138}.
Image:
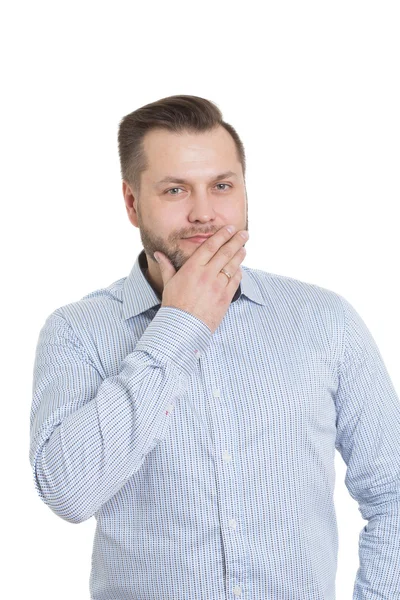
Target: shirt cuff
{"x":177,"y":335}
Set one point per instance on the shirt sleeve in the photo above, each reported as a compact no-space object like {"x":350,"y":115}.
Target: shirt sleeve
{"x":368,"y":439}
{"x":90,"y":435}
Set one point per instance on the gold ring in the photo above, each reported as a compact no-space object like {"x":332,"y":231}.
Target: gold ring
{"x":226,"y":273}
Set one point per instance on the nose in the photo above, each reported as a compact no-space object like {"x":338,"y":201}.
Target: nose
{"x":202,"y":206}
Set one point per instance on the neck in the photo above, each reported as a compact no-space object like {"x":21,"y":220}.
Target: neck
{"x":146,"y":274}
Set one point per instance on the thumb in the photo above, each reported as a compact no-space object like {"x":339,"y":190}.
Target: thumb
{"x":166,"y":267}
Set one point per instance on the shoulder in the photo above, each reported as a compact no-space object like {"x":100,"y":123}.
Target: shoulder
{"x":289,"y":292}
{"x":101,"y":306}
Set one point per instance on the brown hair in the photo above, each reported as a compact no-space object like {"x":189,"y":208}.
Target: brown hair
{"x":176,"y":114}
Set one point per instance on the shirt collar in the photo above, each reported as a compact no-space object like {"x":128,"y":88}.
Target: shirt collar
{"x":139,"y":296}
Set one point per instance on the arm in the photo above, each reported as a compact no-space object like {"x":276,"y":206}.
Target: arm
{"x":88,"y":435}
{"x":368,"y":439}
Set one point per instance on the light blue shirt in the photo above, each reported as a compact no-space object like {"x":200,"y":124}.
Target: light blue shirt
{"x":208,"y":459}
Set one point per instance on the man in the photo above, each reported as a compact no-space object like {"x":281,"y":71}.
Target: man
{"x":194,"y":407}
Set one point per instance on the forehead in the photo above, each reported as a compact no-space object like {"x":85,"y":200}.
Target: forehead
{"x":166,"y":150}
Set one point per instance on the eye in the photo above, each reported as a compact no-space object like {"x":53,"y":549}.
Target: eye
{"x":178,"y":188}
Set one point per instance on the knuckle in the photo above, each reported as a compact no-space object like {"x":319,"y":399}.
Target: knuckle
{"x":203,"y":279}
{"x":227,"y":251}
{"x":211,"y":244}
{"x":215,"y":286}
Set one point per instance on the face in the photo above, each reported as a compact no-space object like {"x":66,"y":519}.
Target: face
{"x":196,"y":199}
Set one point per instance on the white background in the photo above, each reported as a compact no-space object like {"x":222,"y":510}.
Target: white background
{"x":312,"y":89}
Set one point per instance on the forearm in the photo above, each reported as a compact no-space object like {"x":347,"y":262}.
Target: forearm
{"x":89,"y":436}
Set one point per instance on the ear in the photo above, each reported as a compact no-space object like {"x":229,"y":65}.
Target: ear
{"x":129,"y":199}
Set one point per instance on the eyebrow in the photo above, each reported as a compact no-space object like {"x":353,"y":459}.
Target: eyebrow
{"x":171,"y":179}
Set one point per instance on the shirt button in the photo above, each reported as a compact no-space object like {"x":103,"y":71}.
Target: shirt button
{"x":226,"y":456}
{"x":232,"y":523}
{"x":216,"y":393}
{"x":237,"y":590}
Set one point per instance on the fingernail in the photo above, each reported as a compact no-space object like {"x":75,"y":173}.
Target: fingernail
{"x":156,"y":256}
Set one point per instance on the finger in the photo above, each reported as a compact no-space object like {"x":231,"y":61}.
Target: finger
{"x":230,"y":254}
{"x":211,"y":245}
